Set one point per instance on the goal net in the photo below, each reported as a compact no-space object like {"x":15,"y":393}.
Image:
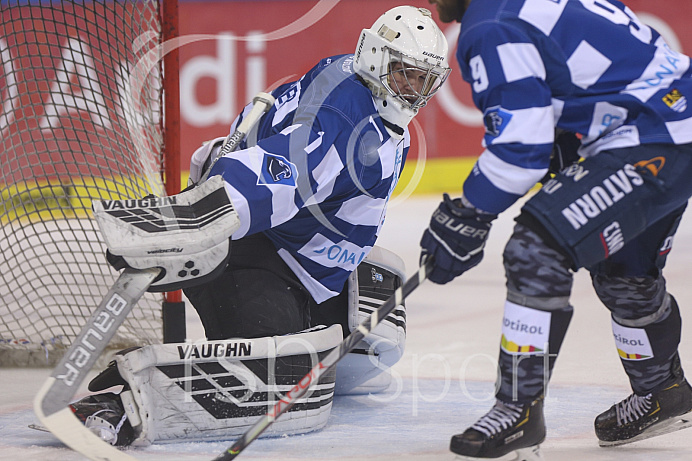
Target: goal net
{"x":81,"y":118}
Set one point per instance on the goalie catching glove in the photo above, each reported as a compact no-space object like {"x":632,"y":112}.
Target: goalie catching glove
{"x":187,"y":235}
{"x":455,"y":239}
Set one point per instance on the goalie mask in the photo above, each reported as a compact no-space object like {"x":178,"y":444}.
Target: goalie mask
{"x":403,"y":59}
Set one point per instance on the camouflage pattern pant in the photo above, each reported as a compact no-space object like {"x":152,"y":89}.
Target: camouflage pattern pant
{"x":646,"y":319}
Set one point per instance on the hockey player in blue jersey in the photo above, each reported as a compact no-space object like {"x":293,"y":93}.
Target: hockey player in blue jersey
{"x":310,"y":186}
{"x":548,"y":74}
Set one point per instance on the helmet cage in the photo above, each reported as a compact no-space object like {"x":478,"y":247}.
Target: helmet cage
{"x":424,"y":78}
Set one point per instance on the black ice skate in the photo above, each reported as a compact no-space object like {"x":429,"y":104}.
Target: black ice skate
{"x":506,"y":428}
{"x":104,"y":415}
{"x":642,"y":417}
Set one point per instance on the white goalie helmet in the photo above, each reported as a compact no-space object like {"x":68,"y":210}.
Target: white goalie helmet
{"x":403,"y":59}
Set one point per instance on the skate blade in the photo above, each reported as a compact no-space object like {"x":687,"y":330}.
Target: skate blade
{"x":665,"y":427}
{"x":523,"y":454}
{"x":38,"y":427}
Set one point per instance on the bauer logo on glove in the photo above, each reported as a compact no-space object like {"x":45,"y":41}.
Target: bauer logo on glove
{"x":460,"y":227}
{"x":455,"y":239}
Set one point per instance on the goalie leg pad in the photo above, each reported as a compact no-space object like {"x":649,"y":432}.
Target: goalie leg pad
{"x":186,"y":235}
{"x":364,"y":370}
{"x":216,"y":390}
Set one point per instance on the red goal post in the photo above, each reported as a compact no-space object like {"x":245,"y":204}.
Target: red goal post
{"x":88,"y":110}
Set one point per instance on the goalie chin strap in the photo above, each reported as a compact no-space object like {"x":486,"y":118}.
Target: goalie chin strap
{"x":395,"y":128}
{"x":308,"y":381}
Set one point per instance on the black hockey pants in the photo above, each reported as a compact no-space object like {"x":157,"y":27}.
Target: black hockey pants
{"x":258,"y":295}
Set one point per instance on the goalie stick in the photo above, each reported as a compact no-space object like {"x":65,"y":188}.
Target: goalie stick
{"x":262,"y":103}
{"x":51,"y":403}
{"x":313,"y":376}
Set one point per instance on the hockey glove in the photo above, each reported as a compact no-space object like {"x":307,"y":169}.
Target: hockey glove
{"x":565,"y":152}
{"x":202,"y":159}
{"x":455,"y":239}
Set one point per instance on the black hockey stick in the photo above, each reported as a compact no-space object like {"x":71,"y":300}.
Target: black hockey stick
{"x":313,"y":376}
{"x":51,"y":402}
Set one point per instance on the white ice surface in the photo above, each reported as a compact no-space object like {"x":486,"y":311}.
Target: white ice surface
{"x":443,"y":382}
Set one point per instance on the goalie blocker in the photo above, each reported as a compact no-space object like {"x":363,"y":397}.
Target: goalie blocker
{"x":185,"y":235}
{"x":215,"y":389}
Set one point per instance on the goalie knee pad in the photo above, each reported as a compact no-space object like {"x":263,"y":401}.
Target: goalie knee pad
{"x":216,"y":390}
{"x":186,"y":235}
{"x":364,"y":370}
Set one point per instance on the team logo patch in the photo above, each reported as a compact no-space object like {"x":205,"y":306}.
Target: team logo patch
{"x":654,"y":165}
{"x":496,"y":120}
{"x":277,"y":170}
{"x":632,"y":343}
{"x":376,"y":276}
{"x":524,"y":331}
{"x":676,"y":101}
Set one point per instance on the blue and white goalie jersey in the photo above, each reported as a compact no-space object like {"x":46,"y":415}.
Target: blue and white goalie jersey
{"x":586,"y":66}
{"x":317,"y":175}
